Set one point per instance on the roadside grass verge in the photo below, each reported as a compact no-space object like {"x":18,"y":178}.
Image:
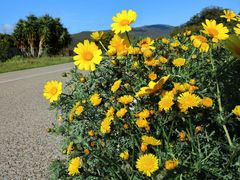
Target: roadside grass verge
{"x":20,"y":63}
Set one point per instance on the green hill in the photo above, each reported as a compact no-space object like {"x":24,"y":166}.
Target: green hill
{"x":152,"y":31}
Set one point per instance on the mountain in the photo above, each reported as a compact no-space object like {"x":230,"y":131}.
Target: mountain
{"x":152,"y":31}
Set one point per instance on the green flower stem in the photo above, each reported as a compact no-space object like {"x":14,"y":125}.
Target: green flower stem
{"x":105,"y":49}
{"x":220,"y":101}
{"x":128,"y":38}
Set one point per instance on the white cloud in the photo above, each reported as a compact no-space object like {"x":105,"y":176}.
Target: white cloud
{"x":6,"y":28}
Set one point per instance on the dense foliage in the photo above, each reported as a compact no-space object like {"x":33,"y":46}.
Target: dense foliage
{"x":7,"y":47}
{"x":37,"y":35}
{"x":152,"y":109}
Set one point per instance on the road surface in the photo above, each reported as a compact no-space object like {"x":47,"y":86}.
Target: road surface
{"x":26,"y":149}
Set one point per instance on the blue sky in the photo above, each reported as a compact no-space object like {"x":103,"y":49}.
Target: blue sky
{"x":82,"y":15}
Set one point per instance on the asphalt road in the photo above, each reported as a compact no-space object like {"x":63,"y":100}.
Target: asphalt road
{"x":26,"y":149}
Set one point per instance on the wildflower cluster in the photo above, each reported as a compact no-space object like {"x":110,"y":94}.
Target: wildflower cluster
{"x":164,"y":108}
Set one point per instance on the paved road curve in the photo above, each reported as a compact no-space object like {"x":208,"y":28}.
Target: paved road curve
{"x":26,"y":149}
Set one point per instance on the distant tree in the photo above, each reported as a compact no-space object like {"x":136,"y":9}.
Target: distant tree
{"x":7,"y":47}
{"x":194,"y":24}
{"x":37,"y":35}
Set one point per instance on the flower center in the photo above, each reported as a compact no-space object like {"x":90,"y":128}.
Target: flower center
{"x":213,"y":32}
{"x":202,"y":39}
{"x":125,"y":22}
{"x":88,"y":55}
{"x":53,"y":90}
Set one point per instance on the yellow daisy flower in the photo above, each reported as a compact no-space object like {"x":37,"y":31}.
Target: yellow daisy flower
{"x":116,"y":86}
{"x":166,"y":102}
{"x":163,"y":60}
{"x":144,"y":114}
{"x":165,"y":41}
{"x":77,"y":109}
{"x":110,"y":112}
{"x":96,"y":36}
{"x":179,"y":62}
{"x":200,"y":42}
{"x":152,"y":76}
{"x":123,"y":20}
{"x":207,"y":102}
{"x":237,"y":29}
{"x":126,"y":99}
{"x":152,"y":87}
{"x":95,"y":99}
{"x":215,"y":31}
{"x":149,"y":140}
{"x":152,"y":62}
{"x":52,"y":90}
{"x":171,"y":164}
{"x":118,"y":45}
{"x":70,"y":148}
{"x":142,"y":123}
{"x":146,"y":44}
{"x":229,"y":15}
{"x":106,"y":125}
{"x":147,"y":164}
{"x":88,"y":55}
{"x":187,"y":100}
{"x":121,"y":113}
{"x":74,"y":166}
{"x":124,"y":155}
{"x":236,"y":111}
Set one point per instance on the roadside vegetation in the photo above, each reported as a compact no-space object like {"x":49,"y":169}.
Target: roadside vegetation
{"x":20,"y":63}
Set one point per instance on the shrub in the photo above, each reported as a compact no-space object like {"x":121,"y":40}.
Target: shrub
{"x":153,"y":109}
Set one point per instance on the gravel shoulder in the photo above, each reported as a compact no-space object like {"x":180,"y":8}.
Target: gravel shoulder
{"x":26,"y":149}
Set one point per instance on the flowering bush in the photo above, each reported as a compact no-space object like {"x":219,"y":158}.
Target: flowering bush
{"x":166,"y":108}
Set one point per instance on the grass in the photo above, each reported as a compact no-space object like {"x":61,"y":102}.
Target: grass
{"x":20,"y":63}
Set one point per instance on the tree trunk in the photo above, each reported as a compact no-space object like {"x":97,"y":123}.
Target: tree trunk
{"x":32,"y":48}
{"x":40,"y":50}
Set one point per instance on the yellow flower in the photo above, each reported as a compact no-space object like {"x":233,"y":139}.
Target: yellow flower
{"x":146,"y":44}
{"x":171,"y":164}
{"x":133,"y":50}
{"x":91,"y":133}
{"x":207,"y":102}
{"x":143,"y":147}
{"x":126,"y":99}
{"x":121,"y":113}
{"x":152,"y":62}
{"x":200,"y":42}
{"x":97,"y":35}
{"x":185,"y":48}
{"x":198,"y":129}
{"x":142,"y":123}
{"x":147,"y":164}
{"x":174,"y":44}
{"x":116,"y":86}
{"x":237,"y":29}
{"x":110,"y":112}
{"x":163,"y":60}
{"x":182,"y":136}
{"x":74,"y":165}
{"x":118,"y":45}
{"x":187,"y":100}
{"x":152,"y":76}
{"x":236,"y":111}
{"x":77,"y":109}
{"x":106,"y":125}
{"x":215,"y":31}
{"x":144,"y":114}
{"x":229,"y":15}
{"x":147,"y":53}
{"x":165,"y":41}
{"x":88,"y":55}
{"x":179,"y":62}
{"x":95,"y":99}
{"x":70,"y":148}
{"x":166,"y":102}
{"x":124,"y":155}
{"x":52,"y":90}
{"x":152,"y":87}
{"x":149,"y":140}
{"x":123,"y":20}
{"x":86,"y":151}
